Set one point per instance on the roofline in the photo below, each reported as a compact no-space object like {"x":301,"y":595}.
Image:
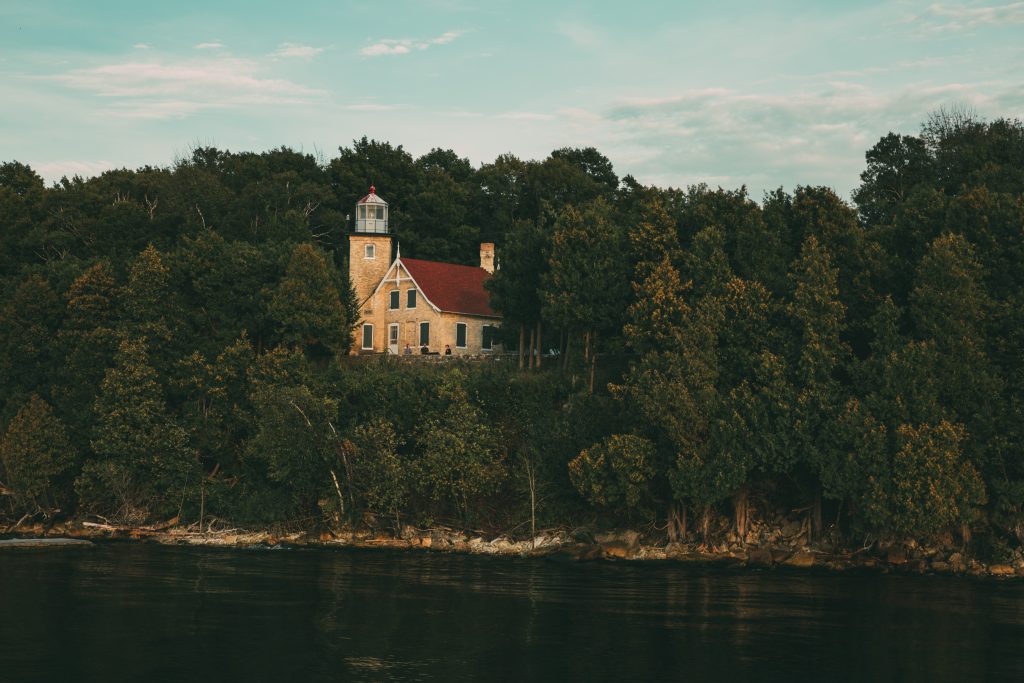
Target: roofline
{"x":397,"y":261}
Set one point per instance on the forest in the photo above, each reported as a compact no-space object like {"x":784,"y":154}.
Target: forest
{"x":174,"y":343}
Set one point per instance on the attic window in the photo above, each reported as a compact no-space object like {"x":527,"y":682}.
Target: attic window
{"x":410,"y":301}
{"x":370,"y":251}
{"x":395,"y":297}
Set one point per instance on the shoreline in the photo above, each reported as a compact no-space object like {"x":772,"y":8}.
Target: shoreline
{"x":615,"y":546}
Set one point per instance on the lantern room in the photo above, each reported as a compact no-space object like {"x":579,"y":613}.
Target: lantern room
{"x":372,"y":214}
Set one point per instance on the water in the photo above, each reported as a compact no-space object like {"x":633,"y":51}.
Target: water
{"x":124,"y":612}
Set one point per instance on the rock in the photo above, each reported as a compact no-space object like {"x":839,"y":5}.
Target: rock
{"x":475,"y":543}
{"x":760,"y":557}
{"x":800,"y":559}
{"x":22,"y":543}
{"x":779,"y":555}
{"x":629,"y":538}
{"x":896,"y":555}
{"x":1001,"y":570}
{"x":581,"y":535}
{"x":940,"y":566}
{"x":426,"y":541}
{"x":617,"y":549}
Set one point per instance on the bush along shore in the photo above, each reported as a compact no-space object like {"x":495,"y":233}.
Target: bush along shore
{"x":778,"y":545}
{"x":174,"y":344}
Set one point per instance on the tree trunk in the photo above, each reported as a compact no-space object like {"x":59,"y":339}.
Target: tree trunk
{"x":539,"y":347}
{"x":531,"y":476}
{"x":522,"y":344}
{"x":565,"y":353}
{"x":817,"y":526}
{"x":676,"y":523}
{"x":586,"y":346}
{"x":529,"y":352}
{"x":705,"y":523}
{"x":741,"y":505}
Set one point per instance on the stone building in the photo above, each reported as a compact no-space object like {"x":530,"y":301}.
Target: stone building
{"x":412,"y":303}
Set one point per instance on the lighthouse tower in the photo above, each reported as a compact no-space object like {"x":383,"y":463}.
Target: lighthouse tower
{"x":369,"y":246}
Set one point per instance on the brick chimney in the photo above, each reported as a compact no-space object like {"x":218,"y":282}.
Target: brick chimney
{"x":487,"y":256}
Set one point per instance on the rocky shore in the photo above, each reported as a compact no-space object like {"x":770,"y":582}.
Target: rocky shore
{"x":782,"y":545}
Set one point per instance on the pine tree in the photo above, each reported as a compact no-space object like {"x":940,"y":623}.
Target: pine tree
{"x":307,"y":307}
{"x":143,"y":466}
{"x":37,"y":457}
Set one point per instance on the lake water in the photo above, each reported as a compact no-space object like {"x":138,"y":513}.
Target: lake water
{"x":125,"y":612}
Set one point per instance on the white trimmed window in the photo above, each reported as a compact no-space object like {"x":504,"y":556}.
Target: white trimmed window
{"x":424,"y":334}
{"x":394,"y":299}
{"x":370,"y":251}
{"x":410,"y":298}
{"x":367,"y":336}
{"x":460,"y":335}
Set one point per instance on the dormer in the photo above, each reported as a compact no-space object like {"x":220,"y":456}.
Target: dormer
{"x":372,"y":214}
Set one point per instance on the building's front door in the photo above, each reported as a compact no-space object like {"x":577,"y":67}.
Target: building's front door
{"x":393,"y":338}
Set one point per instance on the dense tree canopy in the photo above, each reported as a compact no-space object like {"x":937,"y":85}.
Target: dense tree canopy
{"x":173,"y":342}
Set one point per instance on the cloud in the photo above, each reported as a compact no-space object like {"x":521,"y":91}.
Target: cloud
{"x":59,"y":169}
{"x":293,"y":51}
{"x":390,"y":46}
{"x":140,"y":46}
{"x":525,"y":116}
{"x":209,"y":46}
{"x":174,"y":89}
{"x":371,"y":107}
{"x":580,"y":34}
{"x":816,"y":135}
{"x":947,"y":18}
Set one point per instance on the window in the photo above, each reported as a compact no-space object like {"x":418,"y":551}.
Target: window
{"x":424,"y":334}
{"x":460,"y":335}
{"x":395,"y":297}
{"x":485,"y":337}
{"x":370,"y":251}
{"x":410,"y":299}
{"x":380,"y":213}
{"x":367,"y":336}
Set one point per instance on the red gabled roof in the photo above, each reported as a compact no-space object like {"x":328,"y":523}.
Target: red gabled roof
{"x":452,"y":288}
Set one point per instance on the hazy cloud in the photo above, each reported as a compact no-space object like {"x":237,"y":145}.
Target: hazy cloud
{"x":369,"y":106}
{"x":140,"y":46}
{"x":943,"y":18}
{"x":526,"y":116}
{"x":818,"y":135}
{"x":158,"y":89}
{"x":580,"y":34}
{"x":293,"y":51}
{"x":209,"y":46}
{"x":58,"y":169}
{"x":390,"y":46}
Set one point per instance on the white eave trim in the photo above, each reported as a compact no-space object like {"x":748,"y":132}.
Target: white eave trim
{"x":396,"y":264}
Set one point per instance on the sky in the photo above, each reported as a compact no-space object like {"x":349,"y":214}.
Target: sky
{"x":734,"y":92}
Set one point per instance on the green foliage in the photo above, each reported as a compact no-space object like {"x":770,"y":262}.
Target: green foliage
{"x":37,"y":457}
{"x":460,"y":459}
{"x":189,"y":326}
{"x":617,"y":471}
{"x":142,"y":466}
{"x":928,"y":486}
{"x":307,"y":307}
{"x":384,"y":477}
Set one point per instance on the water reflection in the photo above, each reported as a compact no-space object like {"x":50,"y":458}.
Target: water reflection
{"x":131,"y":612}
